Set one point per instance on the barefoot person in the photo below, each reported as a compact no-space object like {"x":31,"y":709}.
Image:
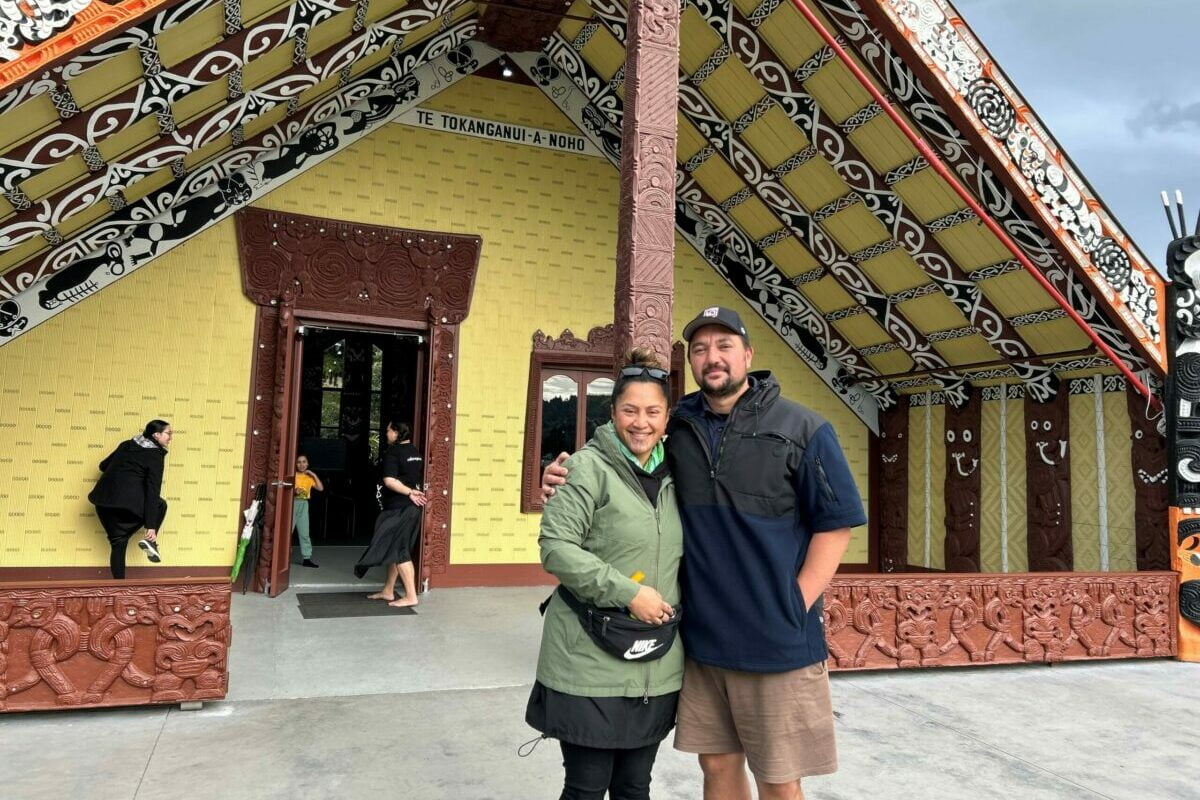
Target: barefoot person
{"x":128,"y":495}
{"x":767,"y":501}
{"x":306,"y":482}
{"x":614,"y":521}
{"x":398,"y":528}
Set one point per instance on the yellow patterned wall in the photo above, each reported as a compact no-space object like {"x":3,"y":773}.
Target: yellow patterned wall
{"x":1018,"y":504}
{"x":1118,"y":441}
{"x":1005,"y":427}
{"x":549,"y":227}
{"x":926,"y":447}
{"x":170,"y":341}
{"x":548,"y":222}
{"x":1086,"y":499}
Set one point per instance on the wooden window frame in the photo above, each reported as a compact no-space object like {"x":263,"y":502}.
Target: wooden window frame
{"x":569,"y":354}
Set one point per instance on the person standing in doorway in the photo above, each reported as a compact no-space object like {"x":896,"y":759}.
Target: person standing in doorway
{"x":398,"y":528}
{"x":306,"y":482}
{"x":128,"y":495}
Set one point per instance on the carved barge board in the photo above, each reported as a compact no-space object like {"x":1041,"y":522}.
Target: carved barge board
{"x":113,"y":644}
{"x":892,"y":621}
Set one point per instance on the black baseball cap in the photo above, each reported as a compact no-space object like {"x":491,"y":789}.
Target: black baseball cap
{"x":717,"y":315}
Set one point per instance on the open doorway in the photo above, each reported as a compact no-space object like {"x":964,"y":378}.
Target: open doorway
{"x":351,"y":383}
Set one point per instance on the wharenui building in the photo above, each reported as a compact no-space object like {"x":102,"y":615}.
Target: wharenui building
{"x":280,"y":223}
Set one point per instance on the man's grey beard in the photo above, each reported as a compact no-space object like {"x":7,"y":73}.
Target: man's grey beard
{"x":726,"y":389}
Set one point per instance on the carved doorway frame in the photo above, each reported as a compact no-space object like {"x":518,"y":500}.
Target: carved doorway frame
{"x":297,"y":268}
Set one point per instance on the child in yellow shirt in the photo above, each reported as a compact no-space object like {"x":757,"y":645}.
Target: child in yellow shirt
{"x":305,"y":482}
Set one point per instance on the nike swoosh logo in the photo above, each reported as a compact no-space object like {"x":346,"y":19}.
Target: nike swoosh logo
{"x":630,"y":655}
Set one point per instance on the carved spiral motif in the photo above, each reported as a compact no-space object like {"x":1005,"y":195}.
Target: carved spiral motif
{"x":1189,"y":600}
{"x":992,"y":107}
{"x":1111,"y":260}
{"x":1187,"y":376}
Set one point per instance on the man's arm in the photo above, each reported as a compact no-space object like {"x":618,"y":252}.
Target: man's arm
{"x":820,"y":565}
{"x":833,"y":506}
{"x":555,"y":474}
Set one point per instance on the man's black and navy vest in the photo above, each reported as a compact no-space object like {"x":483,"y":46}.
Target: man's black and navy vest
{"x":752,"y":490}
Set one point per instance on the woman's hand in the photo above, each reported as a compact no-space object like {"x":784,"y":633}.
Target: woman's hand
{"x":151,"y":535}
{"x":649,"y":607}
{"x":418,"y":497}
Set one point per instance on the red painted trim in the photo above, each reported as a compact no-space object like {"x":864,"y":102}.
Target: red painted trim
{"x":947,"y":175}
{"x":492,"y":575}
{"x":61,"y":577}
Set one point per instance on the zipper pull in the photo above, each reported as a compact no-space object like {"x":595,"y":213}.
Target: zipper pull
{"x":646,"y":697}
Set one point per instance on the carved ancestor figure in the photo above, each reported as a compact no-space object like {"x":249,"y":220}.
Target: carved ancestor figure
{"x":1048,"y":483}
{"x":1148,"y":449}
{"x":893,"y":489}
{"x":963,"y":484}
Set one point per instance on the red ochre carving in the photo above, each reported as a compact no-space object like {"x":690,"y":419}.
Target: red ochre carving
{"x":113,"y":645}
{"x":646,"y":226}
{"x":891,"y":621}
{"x":893,"y":488}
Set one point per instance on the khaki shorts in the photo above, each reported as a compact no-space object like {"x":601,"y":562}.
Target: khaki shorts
{"x":782,"y":721}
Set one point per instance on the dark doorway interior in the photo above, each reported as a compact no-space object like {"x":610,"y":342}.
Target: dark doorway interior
{"x":351,"y":383}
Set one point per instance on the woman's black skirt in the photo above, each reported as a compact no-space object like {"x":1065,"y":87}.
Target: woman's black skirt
{"x":396,"y":534}
{"x":601,"y":722}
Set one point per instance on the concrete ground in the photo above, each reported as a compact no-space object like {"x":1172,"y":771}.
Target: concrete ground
{"x":431,"y":706}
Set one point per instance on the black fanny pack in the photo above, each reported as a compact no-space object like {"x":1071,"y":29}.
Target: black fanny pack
{"x":617,"y":633}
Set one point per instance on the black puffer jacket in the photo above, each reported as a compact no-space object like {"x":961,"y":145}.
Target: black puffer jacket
{"x":132,"y":480}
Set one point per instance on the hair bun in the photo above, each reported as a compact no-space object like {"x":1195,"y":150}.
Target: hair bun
{"x":643,"y":357}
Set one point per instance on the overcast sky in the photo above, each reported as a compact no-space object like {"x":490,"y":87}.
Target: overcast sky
{"x":1118,"y":85}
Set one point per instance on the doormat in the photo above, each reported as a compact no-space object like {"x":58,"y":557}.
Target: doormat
{"x":336,"y":605}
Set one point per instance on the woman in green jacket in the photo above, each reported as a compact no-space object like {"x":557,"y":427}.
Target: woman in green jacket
{"x":613,"y":537}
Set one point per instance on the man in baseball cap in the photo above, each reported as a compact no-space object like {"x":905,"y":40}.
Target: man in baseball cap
{"x":717,"y":315}
{"x":767,"y":502}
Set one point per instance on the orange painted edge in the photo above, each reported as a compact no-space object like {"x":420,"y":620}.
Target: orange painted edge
{"x":1189,"y":632}
{"x":89,"y":28}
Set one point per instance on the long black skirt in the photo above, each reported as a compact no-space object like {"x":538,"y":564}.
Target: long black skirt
{"x":396,"y":534}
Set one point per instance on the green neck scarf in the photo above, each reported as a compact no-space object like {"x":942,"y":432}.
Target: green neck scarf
{"x":656,"y":457}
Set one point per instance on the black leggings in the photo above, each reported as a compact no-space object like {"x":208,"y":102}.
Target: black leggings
{"x":120,"y":525}
{"x":624,"y":774}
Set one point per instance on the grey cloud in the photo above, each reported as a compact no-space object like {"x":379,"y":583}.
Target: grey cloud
{"x":1163,"y":116}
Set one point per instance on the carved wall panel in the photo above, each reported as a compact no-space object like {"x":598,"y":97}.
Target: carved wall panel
{"x":892,"y":489}
{"x":293,"y":265}
{"x":113,"y":645}
{"x":964,"y":484}
{"x":1148,"y":460}
{"x":1048,"y":483}
{"x":885,"y":622}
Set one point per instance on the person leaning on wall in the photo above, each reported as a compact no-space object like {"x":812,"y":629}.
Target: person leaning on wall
{"x":128,"y":495}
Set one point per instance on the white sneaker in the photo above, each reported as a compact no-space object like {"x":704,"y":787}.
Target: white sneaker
{"x":150,"y":549}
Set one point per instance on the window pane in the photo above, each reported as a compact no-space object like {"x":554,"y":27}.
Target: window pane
{"x":560,"y":405}
{"x":599,"y":404}
{"x":335,"y":365}
{"x":331,"y":409}
{"x":376,"y":368}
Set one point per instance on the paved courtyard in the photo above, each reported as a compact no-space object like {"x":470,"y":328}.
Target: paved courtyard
{"x":431,"y":706}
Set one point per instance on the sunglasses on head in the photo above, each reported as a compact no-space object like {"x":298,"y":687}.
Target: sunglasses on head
{"x":635,"y":371}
